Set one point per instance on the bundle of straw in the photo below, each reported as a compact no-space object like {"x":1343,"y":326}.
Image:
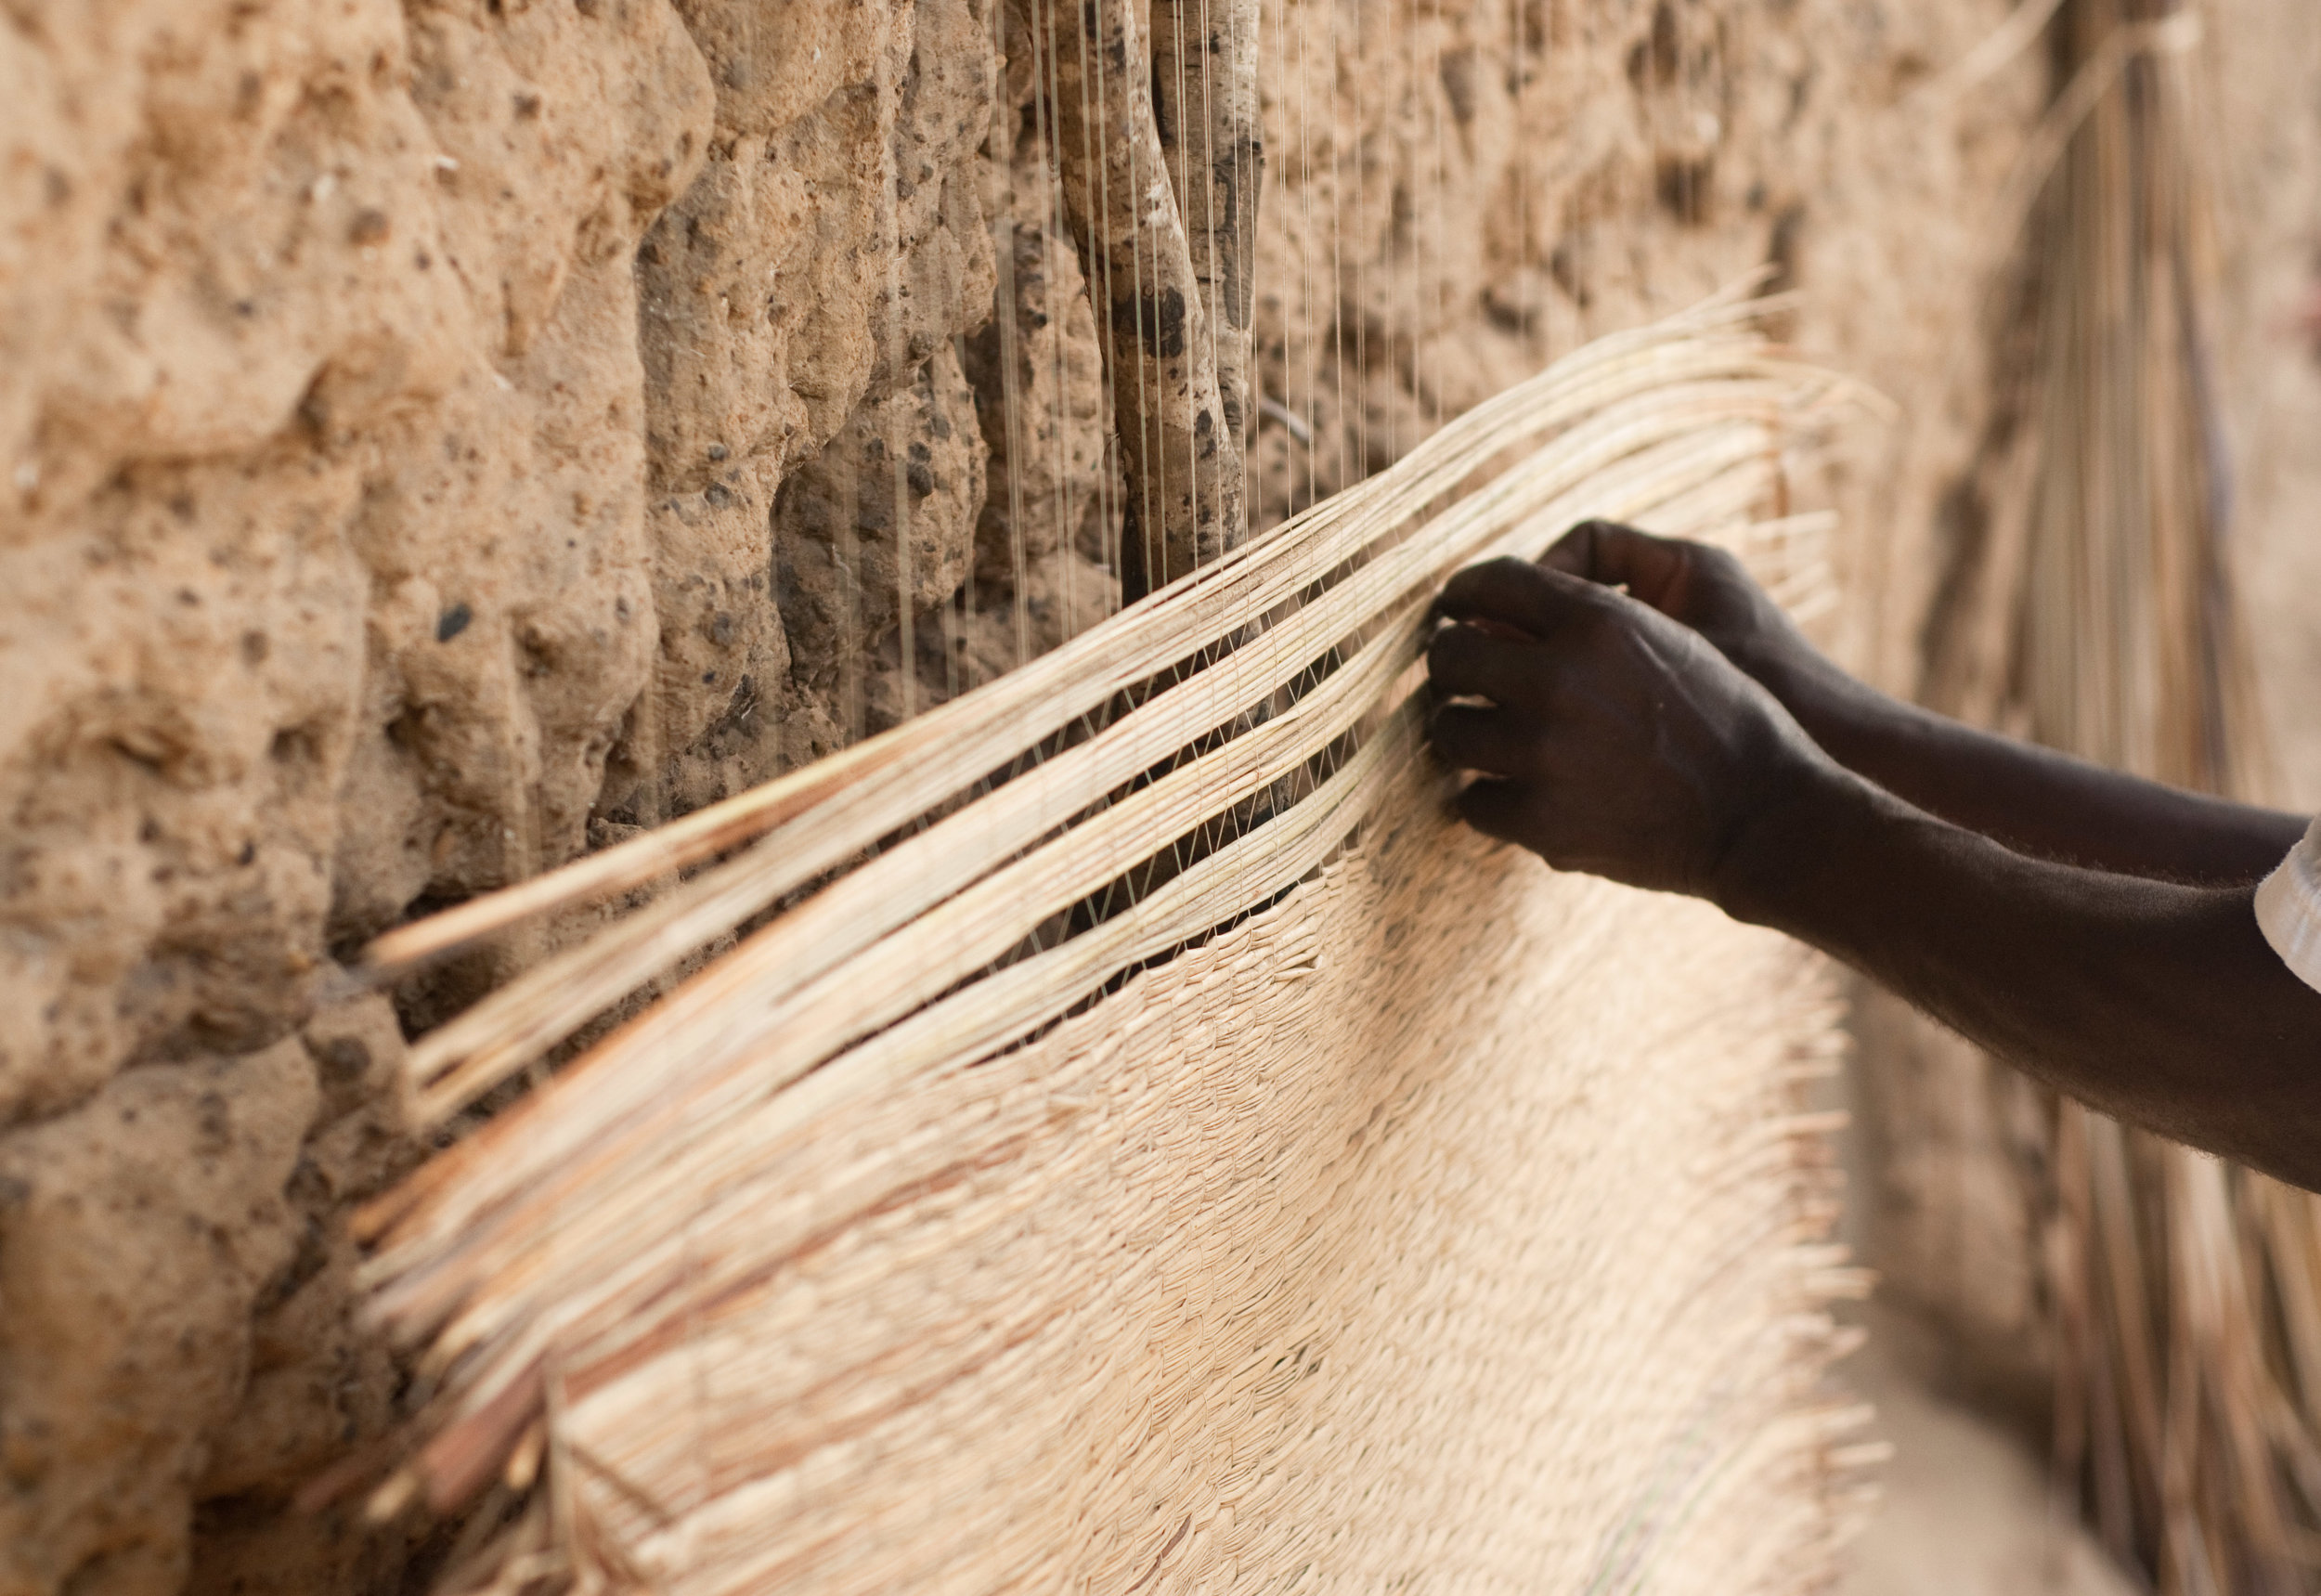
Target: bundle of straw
{"x":920,"y":1239}
{"x":2096,"y":615}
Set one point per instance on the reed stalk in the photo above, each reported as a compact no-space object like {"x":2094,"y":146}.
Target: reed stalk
{"x":2102,"y":620}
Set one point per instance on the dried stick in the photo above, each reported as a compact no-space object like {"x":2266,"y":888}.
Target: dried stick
{"x":1184,"y":501}
{"x":1204,"y":78}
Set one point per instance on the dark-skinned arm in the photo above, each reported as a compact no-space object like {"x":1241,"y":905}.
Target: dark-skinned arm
{"x":1609,"y":738}
{"x":2034,"y":799}
{"x":2157,"y":1001}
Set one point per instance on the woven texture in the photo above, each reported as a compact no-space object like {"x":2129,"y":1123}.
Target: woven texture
{"x":1344,"y":1203}
{"x":1397,"y":1236}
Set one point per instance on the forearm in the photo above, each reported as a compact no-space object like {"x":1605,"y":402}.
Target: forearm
{"x":2035,"y":800}
{"x":2157,"y":1001}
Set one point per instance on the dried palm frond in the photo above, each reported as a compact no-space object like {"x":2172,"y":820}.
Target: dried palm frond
{"x":2102,"y":620}
{"x":919,"y":1159}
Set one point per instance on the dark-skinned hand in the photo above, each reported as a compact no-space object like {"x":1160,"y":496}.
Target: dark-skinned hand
{"x":1610,"y":738}
{"x":2033,"y":799}
{"x":2097,"y":929}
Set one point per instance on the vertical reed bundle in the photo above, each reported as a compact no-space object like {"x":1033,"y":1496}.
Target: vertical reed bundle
{"x":1255,"y":1224}
{"x":2097,"y":615}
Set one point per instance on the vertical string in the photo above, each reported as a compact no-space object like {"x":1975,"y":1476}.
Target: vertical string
{"x":1100,"y":302}
{"x":1396,"y":269}
{"x":1305,"y":335}
{"x":949,"y":614}
{"x":1405,"y":239}
{"x":1151,"y":476}
{"x":1004,"y":293}
{"x":1248,"y":198}
{"x":1067,"y":515}
{"x":1338,"y":297}
{"x":1049,"y":176}
{"x":1184,"y":187}
{"x":848,"y":562}
{"x":1526,"y":283}
{"x":1159,"y":575}
{"x":1402,"y":275}
{"x":1357,"y":290}
{"x":1099,"y":284}
{"x":1570,"y":223}
{"x":1391,"y":267}
{"x":1436,"y":93}
{"x":895,"y":431}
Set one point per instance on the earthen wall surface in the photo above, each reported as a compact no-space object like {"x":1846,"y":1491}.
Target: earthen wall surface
{"x":439,"y":436}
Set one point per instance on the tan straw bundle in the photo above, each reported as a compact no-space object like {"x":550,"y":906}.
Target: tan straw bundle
{"x":1139,"y":1143}
{"x":2093,"y":610}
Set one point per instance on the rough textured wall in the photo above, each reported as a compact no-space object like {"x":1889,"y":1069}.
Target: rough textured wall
{"x":328,"y":586}
{"x":434,"y":435}
{"x":386,"y":495}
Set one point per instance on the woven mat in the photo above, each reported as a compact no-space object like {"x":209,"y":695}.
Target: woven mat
{"x":1447,"y":1227}
{"x":1345,"y":1202}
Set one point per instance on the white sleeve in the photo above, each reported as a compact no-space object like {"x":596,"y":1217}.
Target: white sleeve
{"x":2289,"y":908}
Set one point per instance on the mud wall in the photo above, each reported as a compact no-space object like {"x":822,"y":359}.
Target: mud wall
{"x":437,"y":437}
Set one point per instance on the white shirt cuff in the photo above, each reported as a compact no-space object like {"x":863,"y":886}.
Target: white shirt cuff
{"x":2289,"y":908}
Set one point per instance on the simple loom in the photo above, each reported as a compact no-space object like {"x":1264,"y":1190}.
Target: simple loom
{"x":902,"y":1239}
{"x":1109,"y":1130}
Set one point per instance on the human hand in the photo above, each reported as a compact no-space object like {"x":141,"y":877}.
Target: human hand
{"x":1709,"y":590}
{"x":1614,"y":740}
